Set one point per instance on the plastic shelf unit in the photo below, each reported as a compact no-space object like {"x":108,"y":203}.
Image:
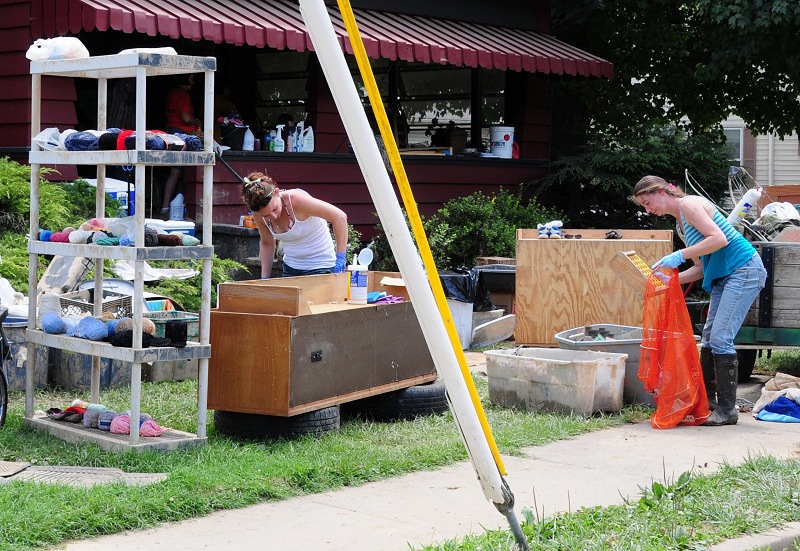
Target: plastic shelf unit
{"x":139,"y":66}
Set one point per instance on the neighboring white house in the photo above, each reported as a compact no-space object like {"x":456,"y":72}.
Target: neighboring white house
{"x":773,"y":162}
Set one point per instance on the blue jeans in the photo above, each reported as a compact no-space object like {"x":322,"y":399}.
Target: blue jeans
{"x":288,"y":271}
{"x":731,"y":298}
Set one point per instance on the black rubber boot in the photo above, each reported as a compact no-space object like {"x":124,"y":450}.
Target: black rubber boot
{"x":727,"y":371}
{"x":709,"y":376}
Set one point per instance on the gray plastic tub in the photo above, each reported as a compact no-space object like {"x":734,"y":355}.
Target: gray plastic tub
{"x":624,"y":339}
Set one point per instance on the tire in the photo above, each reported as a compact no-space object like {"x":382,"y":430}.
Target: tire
{"x":404,"y":404}
{"x":3,"y":398}
{"x":747,"y":361}
{"x":252,"y":426}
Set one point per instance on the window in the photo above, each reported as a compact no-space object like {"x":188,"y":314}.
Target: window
{"x":415,"y":94}
{"x":734,"y":144}
{"x":281,"y":86}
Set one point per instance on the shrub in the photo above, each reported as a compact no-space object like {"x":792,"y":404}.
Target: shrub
{"x":469,"y":227}
{"x":482,"y":225}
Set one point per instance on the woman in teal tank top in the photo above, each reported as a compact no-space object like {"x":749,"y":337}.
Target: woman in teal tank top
{"x":730,"y":270}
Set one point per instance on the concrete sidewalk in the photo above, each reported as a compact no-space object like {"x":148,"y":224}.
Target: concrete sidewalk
{"x":599,"y":468}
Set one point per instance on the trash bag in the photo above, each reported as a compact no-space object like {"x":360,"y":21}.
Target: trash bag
{"x":465,"y":285}
{"x":669,"y":365}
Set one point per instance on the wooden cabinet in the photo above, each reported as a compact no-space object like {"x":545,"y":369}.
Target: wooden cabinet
{"x":287,"y":346}
{"x":566,"y":283}
{"x":139,"y":66}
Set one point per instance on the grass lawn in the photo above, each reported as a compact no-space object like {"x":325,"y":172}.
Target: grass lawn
{"x":228,"y":473}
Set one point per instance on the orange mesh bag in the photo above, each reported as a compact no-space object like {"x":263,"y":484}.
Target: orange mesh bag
{"x":669,"y":364}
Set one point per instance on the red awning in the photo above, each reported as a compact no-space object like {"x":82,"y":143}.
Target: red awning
{"x":278,"y":24}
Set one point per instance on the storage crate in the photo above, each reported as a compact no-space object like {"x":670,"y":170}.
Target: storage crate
{"x":79,"y":302}
{"x":622,"y":339}
{"x":551,"y":379}
{"x":161,"y":319}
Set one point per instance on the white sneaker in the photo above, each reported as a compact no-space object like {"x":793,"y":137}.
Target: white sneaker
{"x":544,"y":231}
{"x":554,"y":227}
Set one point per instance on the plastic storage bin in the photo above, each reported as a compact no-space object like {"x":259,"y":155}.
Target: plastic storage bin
{"x":14,"y":329}
{"x":622,"y":339}
{"x":552,"y":379}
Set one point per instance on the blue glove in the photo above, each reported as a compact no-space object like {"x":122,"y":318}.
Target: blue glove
{"x":341,"y":263}
{"x":672,"y":260}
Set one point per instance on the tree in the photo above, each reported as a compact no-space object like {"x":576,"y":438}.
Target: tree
{"x":687,"y":63}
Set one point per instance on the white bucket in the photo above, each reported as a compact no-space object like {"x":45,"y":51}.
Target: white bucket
{"x":502,"y":138}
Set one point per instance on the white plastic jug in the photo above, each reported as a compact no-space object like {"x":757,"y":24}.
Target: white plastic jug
{"x":308,"y":140}
{"x":248,"y":144}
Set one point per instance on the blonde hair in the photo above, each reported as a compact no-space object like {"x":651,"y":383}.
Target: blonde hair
{"x":654,"y":184}
{"x":258,"y":190}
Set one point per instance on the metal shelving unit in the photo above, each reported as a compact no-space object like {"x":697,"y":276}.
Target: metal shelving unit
{"x":102,"y":68}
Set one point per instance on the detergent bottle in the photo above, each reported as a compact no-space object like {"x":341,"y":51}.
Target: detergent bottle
{"x":744,"y":205}
{"x":298,"y":138}
{"x":279,"y":146}
{"x":308,"y":140}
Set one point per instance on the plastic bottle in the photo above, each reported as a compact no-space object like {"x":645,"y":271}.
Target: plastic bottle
{"x":290,"y":142}
{"x":248,"y":144}
{"x":357,"y":292}
{"x":298,"y":137}
{"x":278,"y":144}
{"x":308,"y":140}
{"x":744,"y":205}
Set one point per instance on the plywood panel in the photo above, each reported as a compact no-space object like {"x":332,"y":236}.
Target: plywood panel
{"x":566,"y":283}
{"x":261,"y":299}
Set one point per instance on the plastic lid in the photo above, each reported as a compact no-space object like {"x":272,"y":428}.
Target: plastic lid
{"x":365,"y":256}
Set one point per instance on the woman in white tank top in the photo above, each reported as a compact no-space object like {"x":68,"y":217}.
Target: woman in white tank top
{"x":300,"y":222}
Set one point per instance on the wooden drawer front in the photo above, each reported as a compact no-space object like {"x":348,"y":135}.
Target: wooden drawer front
{"x":779,"y":302}
{"x":344,"y":352}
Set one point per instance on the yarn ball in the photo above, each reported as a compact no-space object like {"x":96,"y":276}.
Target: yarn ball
{"x":190,"y":240}
{"x":107,"y":241}
{"x":157,"y":342}
{"x":150,"y":428}
{"x":148,"y":326}
{"x":177,"y":332}
{"x":150,"y":236}
{"x":80,"y":236}
{"x":91,"y":418}
{"x":52,"y":323}
{"x":105,"y":418}
{"x":121,"y":424}
{"x":91,"y":328}
{"x":107,"y":141}
{"x":169,"y":240}
{"x":49,"y":304}
{"x":125,"y":339}
{"x":59,"y":237}
{"x":70,"y":323}
{"x":44,"y":235}
{"x":124,"y":324}
{"x":126,"y":241}
{"x":97,"y":234}
{"x":98,"y":407}
{"x":111,"y":326}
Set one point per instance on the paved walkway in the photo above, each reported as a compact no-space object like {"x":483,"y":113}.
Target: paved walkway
{"x":599,"y":468}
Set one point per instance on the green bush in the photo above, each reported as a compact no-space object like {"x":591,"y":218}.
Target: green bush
{"x":482,"y":225}
{"x":468,"y":227}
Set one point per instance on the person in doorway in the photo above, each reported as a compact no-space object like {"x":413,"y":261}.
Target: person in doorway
{"x":731,"y":271}
{"x":300,"y":223}
{"x":122,"y":110}
{"x":180,"y":119}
